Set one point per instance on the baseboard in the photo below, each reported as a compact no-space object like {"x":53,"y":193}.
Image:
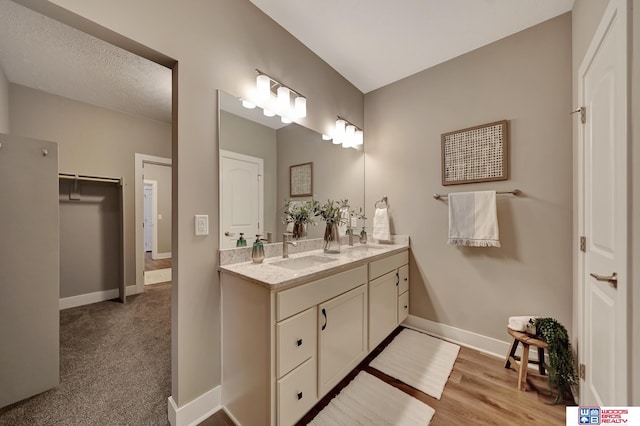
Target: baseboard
{"x":131,"y":290}
{"x":161,"y":256}
{"x":196,"y":411}
{"x":98,"y":296}
{"x":488,"y":345}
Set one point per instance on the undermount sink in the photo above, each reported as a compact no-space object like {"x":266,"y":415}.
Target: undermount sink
{"x":303,"y":262}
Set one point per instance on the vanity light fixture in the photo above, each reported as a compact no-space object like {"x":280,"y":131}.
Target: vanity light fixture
{"x":346,"y":133}
{"x":275,"y":98}
{"x":248,"y":104}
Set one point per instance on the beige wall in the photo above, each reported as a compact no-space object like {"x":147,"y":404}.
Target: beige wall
{"x":217,"y":44}
{"x":635,"y":208}
{"x":162,"y":175}
{"x":4,"y":102}
{"x":338,"y":173}
{"x":91,"y":141}
{"x":247,"y":137}
{"x":526,"y":79}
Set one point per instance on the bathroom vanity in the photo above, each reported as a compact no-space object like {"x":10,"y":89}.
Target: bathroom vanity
{"x":293,"y":328}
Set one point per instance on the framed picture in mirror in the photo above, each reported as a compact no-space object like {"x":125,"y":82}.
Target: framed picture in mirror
{"x":301,"y":180}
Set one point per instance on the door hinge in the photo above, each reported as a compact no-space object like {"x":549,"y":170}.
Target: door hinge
{"x":583,"y":244}
{"x":582,"y":372}
{"x":583,"y":114}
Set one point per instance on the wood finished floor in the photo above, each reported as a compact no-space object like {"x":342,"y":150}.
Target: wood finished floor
{"x":152,"y":265}
{"x":480,"y":391}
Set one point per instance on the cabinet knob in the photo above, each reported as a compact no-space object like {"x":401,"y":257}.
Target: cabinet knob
{"x":299,"y":396}
{"x":406,"y":279}
{"x":299,"y":342}
{"x":406,"y":307}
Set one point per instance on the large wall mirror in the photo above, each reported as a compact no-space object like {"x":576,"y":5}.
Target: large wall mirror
{"x":258,"y":148}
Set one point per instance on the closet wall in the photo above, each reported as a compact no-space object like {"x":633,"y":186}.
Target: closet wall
{"x":90,"y":254}
{"x":92,"y":141}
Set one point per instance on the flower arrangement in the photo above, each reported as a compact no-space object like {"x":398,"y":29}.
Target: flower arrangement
{"x":331,"y":211}
{"x":300,"y":213}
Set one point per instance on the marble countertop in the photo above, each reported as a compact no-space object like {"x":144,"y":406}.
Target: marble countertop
{"x":271,"y":276}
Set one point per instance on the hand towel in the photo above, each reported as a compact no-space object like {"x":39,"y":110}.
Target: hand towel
{"x":473,"y":220}
{"x":381,"y":228}
{"x":344,"y":221}
{"x":523,"y":323}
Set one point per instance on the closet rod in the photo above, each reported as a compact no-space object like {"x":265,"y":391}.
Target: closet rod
{"x":89,"y":178}
{"x":514,"y":192}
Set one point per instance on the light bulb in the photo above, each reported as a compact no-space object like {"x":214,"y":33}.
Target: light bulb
{"x":300,"y":107}
{"x":338,"y":134}
{"x":263,"y":86}
{"x":326,"y":137}
{"x":268,"y":113}
{"x":247,"y":104}
{"x":285,"y":119}
{"x":359,"y":137}
{"x":284,"y":100}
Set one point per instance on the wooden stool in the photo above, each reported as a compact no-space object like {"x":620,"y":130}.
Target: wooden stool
{"x":526,"y":340}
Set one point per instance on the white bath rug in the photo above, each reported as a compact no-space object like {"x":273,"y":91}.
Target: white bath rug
{"x":368,"y":400}
{"x":157,"y":276}
{"x":418,"y":360}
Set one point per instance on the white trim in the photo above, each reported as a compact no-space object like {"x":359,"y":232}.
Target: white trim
{"x":196,"y":411}
{"x":162,"y":256}
{"x":140,"y":160}
{"x":95,"y":297}
{"x":469,"y":339}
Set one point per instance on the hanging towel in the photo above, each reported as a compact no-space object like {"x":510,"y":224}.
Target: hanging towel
{"x":381,"y":230}
{"x":473,"y":220}
{"x":523,"y":323}
{"x":344,"y":221}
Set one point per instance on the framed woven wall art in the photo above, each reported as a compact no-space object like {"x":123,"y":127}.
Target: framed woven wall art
{"x":301,"y":180}
{"x":476,"y":154}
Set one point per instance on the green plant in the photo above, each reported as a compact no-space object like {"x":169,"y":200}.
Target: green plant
{"x":562,"y":372}
{"x":299,"y":212}
{"x":331,"y":211}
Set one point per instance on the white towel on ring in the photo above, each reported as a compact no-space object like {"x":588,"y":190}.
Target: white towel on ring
{"x":523,"y":323}
{"x":381,"y":229}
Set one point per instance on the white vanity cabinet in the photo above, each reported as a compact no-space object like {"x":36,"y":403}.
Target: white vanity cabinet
{"x":283,"y":350}
{"x":388,"y":296}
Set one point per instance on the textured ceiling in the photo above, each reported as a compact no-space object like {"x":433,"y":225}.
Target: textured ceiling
{"x":42,"y":53}
{"x":373,"y":43}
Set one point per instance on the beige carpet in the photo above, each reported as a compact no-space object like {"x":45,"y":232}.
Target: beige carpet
{"x":368,"y":400}
{"x":418,"y":360}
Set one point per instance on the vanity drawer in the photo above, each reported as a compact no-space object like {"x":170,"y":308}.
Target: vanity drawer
{"x":382,"y":266}
{"x":294,"y":300}
{"x":403,"y":275}
{"x":297,"y":393}
{"x":296,"y":340}
{"x":403,"y":306}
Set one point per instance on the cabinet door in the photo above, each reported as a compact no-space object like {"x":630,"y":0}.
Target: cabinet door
{"x":403,"y":306}
{"x":403,"y":278}
{"x":383,"y":305}
{"x":342,"y":344}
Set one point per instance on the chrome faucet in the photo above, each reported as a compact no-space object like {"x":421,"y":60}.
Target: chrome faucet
{"x":286,"y":240}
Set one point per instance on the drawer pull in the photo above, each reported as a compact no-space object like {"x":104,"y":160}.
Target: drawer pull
{"x":299,"y":396}
{"x":406,"y":306}
{"x":397,"y":278}
{"x":324,"y":314}
{"x":299,"y":342}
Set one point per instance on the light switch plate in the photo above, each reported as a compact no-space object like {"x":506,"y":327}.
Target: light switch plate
{"x":202,"y":224}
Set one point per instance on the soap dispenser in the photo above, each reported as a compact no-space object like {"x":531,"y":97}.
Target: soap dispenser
{"x":241,"y":242}
{"x":363,"y":236}
{"x":257,"y":253}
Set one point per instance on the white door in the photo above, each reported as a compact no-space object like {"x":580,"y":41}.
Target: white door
{"x":241,"y":197}
{"x":148,"y":216}
{"x":603,"y":213}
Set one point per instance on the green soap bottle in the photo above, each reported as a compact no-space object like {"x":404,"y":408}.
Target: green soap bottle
{"x":257,"y":252}
{"x":241,"y":242}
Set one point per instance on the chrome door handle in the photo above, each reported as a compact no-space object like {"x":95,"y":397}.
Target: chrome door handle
{"x":611,"y":279}
{"x":229,"y":234}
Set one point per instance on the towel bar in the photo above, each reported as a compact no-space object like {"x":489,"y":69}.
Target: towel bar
{"x":515,"y":192}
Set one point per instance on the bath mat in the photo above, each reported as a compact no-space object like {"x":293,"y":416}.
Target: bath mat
{"x":157,"y":276}
{"x":368,"y":400}
{"x":418,"y":360}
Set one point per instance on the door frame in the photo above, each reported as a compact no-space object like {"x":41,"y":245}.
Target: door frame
{"x":154,"y":216}
{"x":140,"y":161}
{"x":620,"y":9}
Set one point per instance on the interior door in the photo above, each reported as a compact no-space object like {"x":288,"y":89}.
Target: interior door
{"x":29,"y":268}
{"x":603,"y":212}
{"x":241,"y":197}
